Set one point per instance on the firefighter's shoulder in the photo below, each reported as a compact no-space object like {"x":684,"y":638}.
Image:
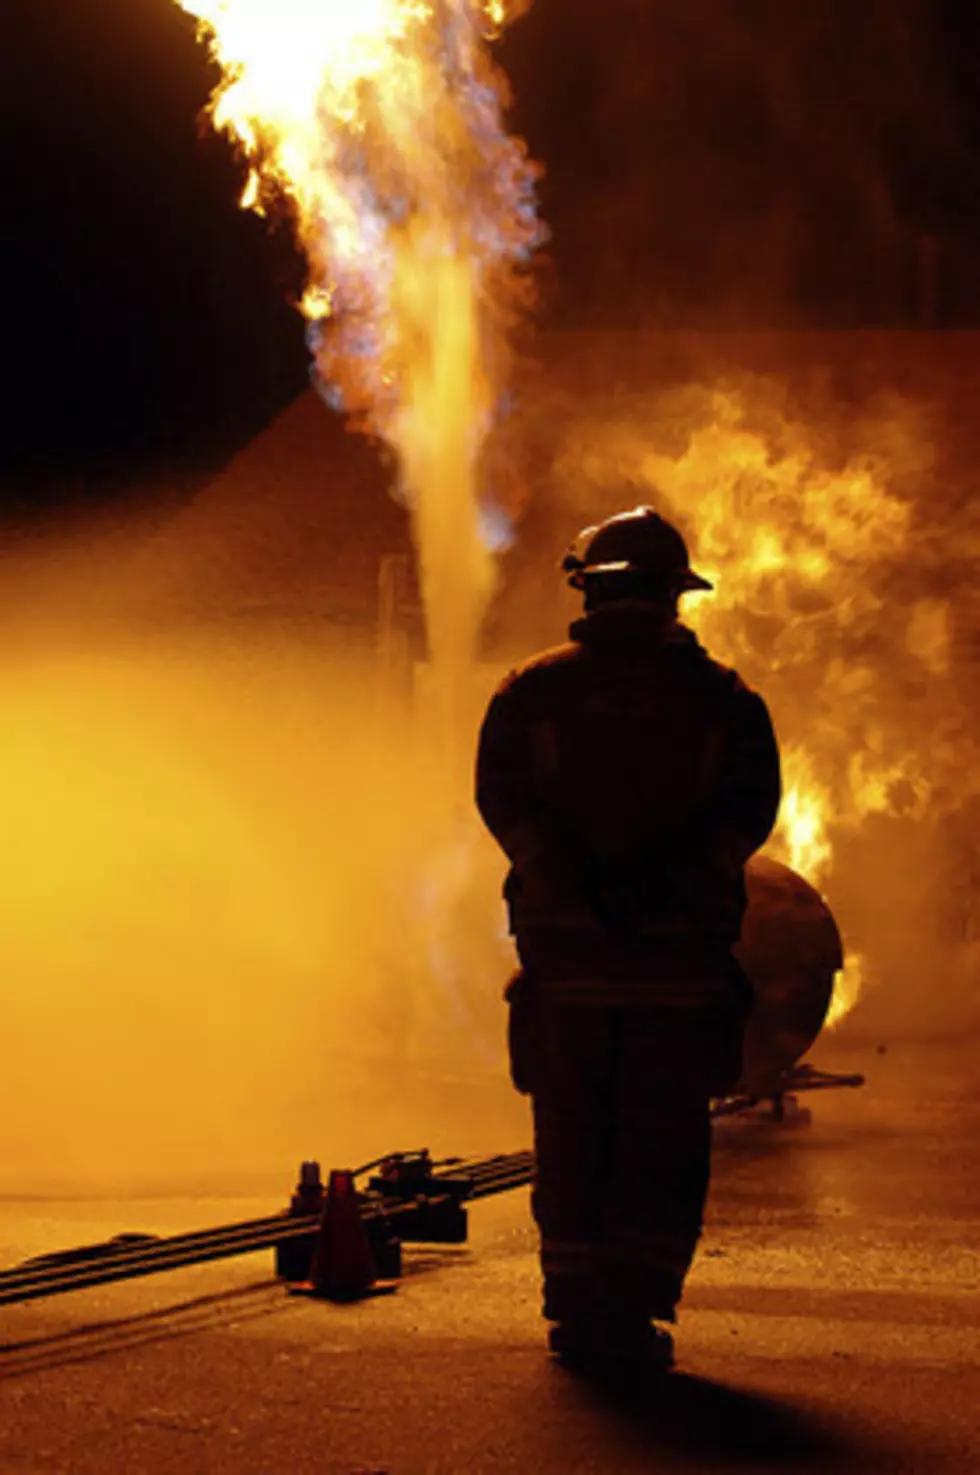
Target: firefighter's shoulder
{"x":742,"y":709}
{"x":541,"y":669}
{"x":727,"y":680}
{"x":737,"y":704}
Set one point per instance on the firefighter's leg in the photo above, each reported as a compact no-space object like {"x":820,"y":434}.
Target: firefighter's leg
{"x":571,"y":1099}
{"x":660,"y":1168}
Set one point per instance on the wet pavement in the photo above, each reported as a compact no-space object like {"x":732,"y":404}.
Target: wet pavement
{"x":832,"y":1323}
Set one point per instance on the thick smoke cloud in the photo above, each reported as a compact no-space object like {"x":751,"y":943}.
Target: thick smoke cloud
{"x":246,"y":919}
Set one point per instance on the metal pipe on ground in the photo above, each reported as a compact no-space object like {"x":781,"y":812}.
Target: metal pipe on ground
{"x":129,"y":1260}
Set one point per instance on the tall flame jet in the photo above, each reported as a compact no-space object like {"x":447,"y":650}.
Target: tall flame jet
{"x":381,"y":123}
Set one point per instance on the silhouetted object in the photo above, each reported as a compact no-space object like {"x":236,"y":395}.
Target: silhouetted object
{"x":293,"y":1256}
{"x":343,"y":1267}
{"x":628,"y":778}
{"x":416,"y":1199}
{"x":791,"y":950}
{"x":609,"y":1348}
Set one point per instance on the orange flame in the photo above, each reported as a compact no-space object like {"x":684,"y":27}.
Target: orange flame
{"x":795,"y":545}
{"x":788,"y":541}
{"x":801,"y":836}
{"x":848,"y":987}
{"x":380,"y":122}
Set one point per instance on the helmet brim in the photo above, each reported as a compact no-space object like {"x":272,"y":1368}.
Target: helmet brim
{"x":694,"y":581}
{"x":686,"y":580}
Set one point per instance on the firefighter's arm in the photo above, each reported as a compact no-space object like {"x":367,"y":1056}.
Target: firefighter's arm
{"x":748,"y":784}
{"x":509,"y":798}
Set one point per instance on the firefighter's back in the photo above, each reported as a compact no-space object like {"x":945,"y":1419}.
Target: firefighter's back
{"x":625,"y":737}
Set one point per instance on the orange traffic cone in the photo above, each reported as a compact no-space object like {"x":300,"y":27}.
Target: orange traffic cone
{"x":343,"y":1267}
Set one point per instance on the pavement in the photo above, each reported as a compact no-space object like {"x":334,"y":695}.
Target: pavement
{"x":832,"y":1322}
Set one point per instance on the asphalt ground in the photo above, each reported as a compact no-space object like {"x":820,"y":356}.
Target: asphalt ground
{"x":832,"y":1322}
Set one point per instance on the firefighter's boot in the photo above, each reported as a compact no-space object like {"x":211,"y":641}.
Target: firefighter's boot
{"x":611,"y":1347}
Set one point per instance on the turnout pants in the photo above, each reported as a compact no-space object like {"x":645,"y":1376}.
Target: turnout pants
{"x":621,"y":1097}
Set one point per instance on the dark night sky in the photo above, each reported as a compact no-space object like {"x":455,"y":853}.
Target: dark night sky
{"x":709,"y":162}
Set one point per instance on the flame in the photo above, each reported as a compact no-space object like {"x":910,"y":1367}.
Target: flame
{"x":800,"y":546}
{"x":788,"y":542}
{"x":848,"y":986}
{"x":379,"y":122}
{"x":801,"y":837}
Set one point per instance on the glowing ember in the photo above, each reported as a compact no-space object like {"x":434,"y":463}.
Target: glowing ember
{"x":379,"y":121}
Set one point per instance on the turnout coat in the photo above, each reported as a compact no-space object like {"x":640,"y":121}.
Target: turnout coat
{"x":628,"y":777}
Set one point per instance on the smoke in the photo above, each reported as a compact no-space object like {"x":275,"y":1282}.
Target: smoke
{"x":243,"y":921}
{"x":246,"y":918}
{"x":239,"y":928}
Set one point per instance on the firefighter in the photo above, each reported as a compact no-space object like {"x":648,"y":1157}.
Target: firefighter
{"x":628,"y":778}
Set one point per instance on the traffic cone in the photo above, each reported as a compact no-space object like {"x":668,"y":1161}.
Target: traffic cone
{"x":343,"y":1267}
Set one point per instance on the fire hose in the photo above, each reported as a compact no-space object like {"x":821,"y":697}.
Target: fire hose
{"x":410,"y":1199}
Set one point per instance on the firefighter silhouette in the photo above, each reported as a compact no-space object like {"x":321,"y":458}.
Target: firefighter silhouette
{"x":628,"y":778}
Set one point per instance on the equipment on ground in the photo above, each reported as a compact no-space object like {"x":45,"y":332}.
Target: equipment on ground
{"x":791,"y":950}
{"x":410,"y":1198}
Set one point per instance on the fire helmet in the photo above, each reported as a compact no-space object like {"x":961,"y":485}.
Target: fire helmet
{"x":639,"y":542}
